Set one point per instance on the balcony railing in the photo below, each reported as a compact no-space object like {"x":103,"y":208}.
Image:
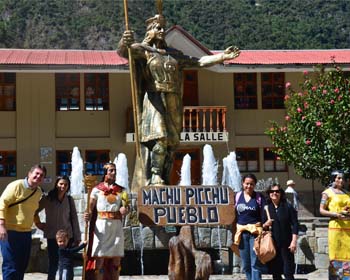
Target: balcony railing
{"x":200,"y":124}
{"x":204,"y":119}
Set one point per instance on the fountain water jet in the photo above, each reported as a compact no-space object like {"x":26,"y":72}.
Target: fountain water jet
{"x":77,"y":177}
{"x":122,"y":178}
{"x":186,"y":171}
{"x":231,"y":175}
{"x":210,"y":167}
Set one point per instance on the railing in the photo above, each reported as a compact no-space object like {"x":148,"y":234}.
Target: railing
{"x":204,"y":119}
{"x":195,"y":119}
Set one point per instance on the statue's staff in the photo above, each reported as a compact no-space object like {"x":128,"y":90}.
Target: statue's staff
{"x":90,"y":181}
{"x":136,"y":113}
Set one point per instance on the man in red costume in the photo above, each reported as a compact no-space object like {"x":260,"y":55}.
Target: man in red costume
{"x":108,"y":204}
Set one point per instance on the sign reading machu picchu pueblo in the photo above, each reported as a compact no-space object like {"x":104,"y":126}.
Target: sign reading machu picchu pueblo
{"x":186,"y":205}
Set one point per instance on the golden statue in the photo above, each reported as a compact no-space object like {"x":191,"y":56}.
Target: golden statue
{"x":158,"y":82}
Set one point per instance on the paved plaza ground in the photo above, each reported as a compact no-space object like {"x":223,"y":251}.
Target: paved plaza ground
{"x":316,"y":275}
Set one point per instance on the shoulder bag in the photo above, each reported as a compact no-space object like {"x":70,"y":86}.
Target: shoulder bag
{"x":264,"y":246}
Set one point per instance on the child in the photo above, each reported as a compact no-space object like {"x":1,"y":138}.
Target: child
{"x":65,"y":255}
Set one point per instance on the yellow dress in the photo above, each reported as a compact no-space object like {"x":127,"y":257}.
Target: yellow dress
{"x":338,"y":230}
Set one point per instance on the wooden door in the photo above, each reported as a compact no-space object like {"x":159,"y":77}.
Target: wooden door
{"x":190,"y":88}
{"x":195,"y":166}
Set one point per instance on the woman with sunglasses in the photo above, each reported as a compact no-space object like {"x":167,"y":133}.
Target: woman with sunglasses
{"x":284,"y":226}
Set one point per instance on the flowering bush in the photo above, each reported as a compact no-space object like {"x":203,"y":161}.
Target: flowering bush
{"x":315,"y":137}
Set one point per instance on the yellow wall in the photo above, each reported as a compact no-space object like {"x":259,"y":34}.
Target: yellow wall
{"x":37,"y":125}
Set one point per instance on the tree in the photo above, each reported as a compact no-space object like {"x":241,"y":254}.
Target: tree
{"x":315,"y":138}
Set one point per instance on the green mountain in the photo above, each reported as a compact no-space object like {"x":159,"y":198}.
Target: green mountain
{"x":249,"y":24}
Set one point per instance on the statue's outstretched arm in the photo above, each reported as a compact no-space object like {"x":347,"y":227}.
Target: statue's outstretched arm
{"x":209,"y":60}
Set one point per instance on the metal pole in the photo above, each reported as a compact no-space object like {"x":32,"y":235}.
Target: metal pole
{"x":90,"y":181}
{"x":133,"y":84}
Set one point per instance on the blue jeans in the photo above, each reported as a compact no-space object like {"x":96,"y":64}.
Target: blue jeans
{"x":250,"y":264}
{"x":15,"y":253}
{"x":52,"y":251}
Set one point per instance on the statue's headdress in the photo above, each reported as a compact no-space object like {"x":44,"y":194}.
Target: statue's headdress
{"x":157,"y":19}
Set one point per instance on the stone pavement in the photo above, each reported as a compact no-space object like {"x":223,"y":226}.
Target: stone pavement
{"x":316,"y":275}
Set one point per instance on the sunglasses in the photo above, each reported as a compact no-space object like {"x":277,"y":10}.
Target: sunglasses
{"x":274,"y":191}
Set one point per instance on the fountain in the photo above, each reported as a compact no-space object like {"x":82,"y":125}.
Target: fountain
{"x":186,"y":171}
{"x":122,"y":178}
{"x":231,"y":175}
{"x":210,"y":167}
{"x":77,"y":186}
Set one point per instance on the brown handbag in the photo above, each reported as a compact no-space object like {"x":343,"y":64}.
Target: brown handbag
{"x":264,"y":246}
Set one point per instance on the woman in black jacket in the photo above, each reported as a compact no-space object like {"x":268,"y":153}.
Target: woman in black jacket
{"x":284,"y":227}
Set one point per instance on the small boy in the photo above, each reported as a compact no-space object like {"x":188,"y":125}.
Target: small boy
{"x":65,"y":254}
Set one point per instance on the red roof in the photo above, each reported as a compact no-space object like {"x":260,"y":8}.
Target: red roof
{"x":268,"y":57}
{"x":60,"y":57}
{"x":111,"y":58}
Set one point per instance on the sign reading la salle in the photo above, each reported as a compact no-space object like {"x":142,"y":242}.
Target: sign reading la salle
{"x":186,"y":205}
{"x":193,"y":137}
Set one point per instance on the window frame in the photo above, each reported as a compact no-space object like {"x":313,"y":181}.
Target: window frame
{"x":67,"y":91}
{"x":96,"y":165}
{"x":7,"y":91}
{"x":96,"y":92}
{"x":66,"y":165}
{"x":276,"y":162}
{"x":247,"y":159}
{"x":6,"y":163}
{"x":276,"y":83}
{"x":245,"y":80}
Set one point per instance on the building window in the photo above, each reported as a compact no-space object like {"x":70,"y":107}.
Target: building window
{"x":245,"y":91}
{"x":272,"y":162}
{"x":95,"y":160}
{"x":67,"y":91}
{"x":247,"y":159}
{"x":63,"y":163}
{"x":7,"y":91}
{"x":272,"y":90}
{"x":8,"y":164}
{"x":96,"y":92}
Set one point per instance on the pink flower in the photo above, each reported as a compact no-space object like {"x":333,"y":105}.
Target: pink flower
{"x":318,"y":123}
{"x":340,"y":97}
{"x":303,"y":118}
{"x":284,"y":128}
{"x":308,"y":142}
{"x":272,"y":129}
{"x":332,"y":101}
{"x":300,"y":94}
{"x":306,"y":72}
{"x":288,"y":84}
{"x":286,"y":97}
{"x":313,"y":88}
{"x":299,"y":110}
{"x":306,"y":105}
{"x":324,"y":91}
{"x":287,"y":118}
{"x":336,"y":90}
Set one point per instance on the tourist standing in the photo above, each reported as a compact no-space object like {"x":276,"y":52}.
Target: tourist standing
{"x":291,"y":190}
{"x":284,"y":226}
{"x":18,"y":203}
{"x":249,"y":208}
{"x":111,"y":203}
{"x":335,"y":203}
{"x":60,"y":213}
{"x":66,"y":255}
